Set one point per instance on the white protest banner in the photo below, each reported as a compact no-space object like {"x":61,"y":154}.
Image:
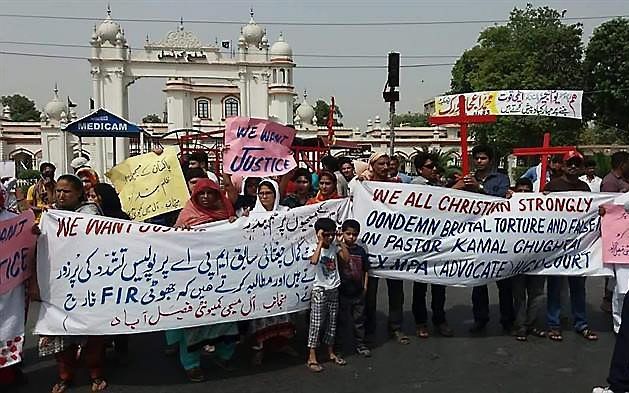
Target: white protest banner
{"x":451,"y":237}
{"x":106,"y":276}
{"x":557,"y":103}
{"x":258,"y":147}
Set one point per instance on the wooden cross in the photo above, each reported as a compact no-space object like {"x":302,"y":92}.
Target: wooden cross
{"x":463,"y":120}
{"x":544,"y":151}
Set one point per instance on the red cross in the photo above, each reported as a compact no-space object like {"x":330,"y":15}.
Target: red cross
{"x":463,"y":120}
{"x":543,"y":151}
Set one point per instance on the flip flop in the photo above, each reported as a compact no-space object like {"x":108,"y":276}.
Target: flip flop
{"x":339,"y":361}
{"x":314,"y":367}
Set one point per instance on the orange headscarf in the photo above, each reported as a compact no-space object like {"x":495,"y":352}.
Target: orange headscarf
{"x":195,"y":214}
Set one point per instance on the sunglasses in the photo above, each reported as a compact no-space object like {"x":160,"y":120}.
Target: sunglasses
{"x":429,"y":166}
{"x":265,"y":193}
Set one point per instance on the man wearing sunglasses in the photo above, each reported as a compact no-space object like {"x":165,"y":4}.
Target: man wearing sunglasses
{"x":426,"y":168}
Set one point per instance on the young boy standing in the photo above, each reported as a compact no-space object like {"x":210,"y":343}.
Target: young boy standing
{"x":353,"y":272}
{"x":325,"y":293}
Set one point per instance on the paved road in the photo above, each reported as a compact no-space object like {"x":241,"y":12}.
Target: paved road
{"x":465,"y":364}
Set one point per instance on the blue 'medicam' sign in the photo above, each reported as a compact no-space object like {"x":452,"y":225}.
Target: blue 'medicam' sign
{"x":103,"y":123}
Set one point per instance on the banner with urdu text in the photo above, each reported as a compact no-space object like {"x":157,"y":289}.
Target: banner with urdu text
{"x":106,"y":276}
{"x":556,"y":103}
{"x":451,"y":237}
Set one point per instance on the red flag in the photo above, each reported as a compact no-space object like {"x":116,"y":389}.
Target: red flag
{"x":331,"y":123}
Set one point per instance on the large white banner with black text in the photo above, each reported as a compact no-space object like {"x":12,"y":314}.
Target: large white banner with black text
{"x":451,"y":237}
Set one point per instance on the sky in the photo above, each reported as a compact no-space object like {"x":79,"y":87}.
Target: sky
{"x":358,"y":92}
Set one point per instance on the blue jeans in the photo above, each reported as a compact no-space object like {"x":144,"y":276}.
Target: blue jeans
{"x":577,"y":302}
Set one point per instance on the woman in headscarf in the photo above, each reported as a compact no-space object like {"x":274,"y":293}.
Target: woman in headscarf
{"x":207,"y":204}
{"x":272,"y":333}
{"x":89,"y":177}
{"x":70,"y":196}
{"x":378,"y":169}
{"x":327,"y":188}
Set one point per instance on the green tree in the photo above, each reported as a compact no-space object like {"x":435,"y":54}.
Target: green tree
{"x":152,"y":118}
{"x":411,"y":120}
{"x":322,"y":109}
{"x":606,"y":75}
{"x":534,"y":50}
{"x":22,"y":108}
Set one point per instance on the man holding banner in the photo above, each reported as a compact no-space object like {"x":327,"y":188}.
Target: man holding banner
{"x":486,"y":181}
{"x":569,"y":181}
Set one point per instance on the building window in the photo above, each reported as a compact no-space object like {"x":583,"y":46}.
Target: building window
{"x":274,"y":76}
{"x":231,"y":107}
{"x":203,"y":108}
{"x":283,"y":75}
{"x":290,"y":76}
{"x":23,"y":160}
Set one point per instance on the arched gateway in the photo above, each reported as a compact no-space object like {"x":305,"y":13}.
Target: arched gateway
{"x":241,"y":81}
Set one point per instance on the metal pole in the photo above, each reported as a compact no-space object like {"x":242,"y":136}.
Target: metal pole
{"x":391,"y":129}
{"x":113,"y":164}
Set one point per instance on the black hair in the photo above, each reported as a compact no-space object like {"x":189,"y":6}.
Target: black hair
{"x":524,"y":181}
{"x":199,"y":156}
{"x":329,"y":174}
{"x":420,"y":160}
{"x":557,"y":159}
{"x":350,"y":223}
{"x":326,"y":224}
{"x":45,"y":165}
{"x":394,"y":158}
{"x":299,"y":172}
{"x":619,"y":158}
{"x":483,"y":149}
{"x":345,"y":160}
{"x":590,"y":163}
{"x":109,"y":201}
{"x":76,"y":183}
{"x":193,"y":173}
{"x":330,"y":163}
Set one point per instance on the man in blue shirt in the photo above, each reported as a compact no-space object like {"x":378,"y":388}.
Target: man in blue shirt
{"x":486,"y":180}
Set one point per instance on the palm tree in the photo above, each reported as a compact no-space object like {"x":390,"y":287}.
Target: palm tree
{"x":442,"y":158}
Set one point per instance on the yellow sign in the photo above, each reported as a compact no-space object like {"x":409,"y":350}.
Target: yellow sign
{"x":150,"y":184}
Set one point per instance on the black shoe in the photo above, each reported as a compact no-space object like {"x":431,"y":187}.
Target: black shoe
{"x":478,"y":327}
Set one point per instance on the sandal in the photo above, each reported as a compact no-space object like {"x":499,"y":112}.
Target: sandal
{"x":422,"y":331}
{"x":61,"y":386}
{"x":537,"y":332}
{"x":555,"y":335}
{"x":195,"y":375}
{"x":314,"y":367}
{"x":520,"y":335}
{"x":401,"y":337}
{"x":339,"y":361}
{"x":98,"y":384}
{"x":588,"y":334}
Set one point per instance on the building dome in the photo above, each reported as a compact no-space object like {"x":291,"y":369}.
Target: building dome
{"x":252,"y":32}
{"x":55,"y":107}
{"x":108,"y":30}
{"x":281,"y":49}
{"x":305,"y":111}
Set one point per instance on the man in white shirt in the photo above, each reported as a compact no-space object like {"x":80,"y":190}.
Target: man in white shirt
{"x":590,"y":176}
